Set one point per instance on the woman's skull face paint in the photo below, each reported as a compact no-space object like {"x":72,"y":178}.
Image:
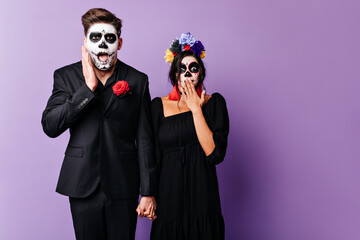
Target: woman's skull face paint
{"x":102,"y":45}
{"x":189,"y":69}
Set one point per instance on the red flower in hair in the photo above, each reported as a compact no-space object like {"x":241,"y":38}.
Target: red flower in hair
{"x":121,"y":88}
{"x":187,"y":48}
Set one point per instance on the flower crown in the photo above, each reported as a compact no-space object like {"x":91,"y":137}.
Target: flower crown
{"x":186,"y":42}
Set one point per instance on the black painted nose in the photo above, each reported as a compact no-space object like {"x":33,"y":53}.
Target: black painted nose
{"x":103,"y":45}
{"x":188,"y":74}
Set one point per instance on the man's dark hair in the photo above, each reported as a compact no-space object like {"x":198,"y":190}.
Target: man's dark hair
{"x":100,"y":15}
{"x":174,"y":73}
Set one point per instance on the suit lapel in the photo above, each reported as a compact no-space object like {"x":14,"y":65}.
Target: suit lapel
{"x":120,"y":76}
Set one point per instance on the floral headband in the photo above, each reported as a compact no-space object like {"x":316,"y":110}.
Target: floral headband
{"x":186,"y":42}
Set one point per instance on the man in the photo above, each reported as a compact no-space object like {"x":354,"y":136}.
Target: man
{"x":106,"y":105}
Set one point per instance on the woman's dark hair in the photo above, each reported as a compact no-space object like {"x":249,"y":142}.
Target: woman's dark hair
{"x":174,"y":73}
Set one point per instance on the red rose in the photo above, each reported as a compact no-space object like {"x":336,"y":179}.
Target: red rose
{"x":121,"y":88}
{"x":186,"y":48}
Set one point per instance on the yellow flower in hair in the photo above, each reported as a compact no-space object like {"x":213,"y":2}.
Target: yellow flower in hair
{"x":169,"y":56}
{"x":202,"y":55}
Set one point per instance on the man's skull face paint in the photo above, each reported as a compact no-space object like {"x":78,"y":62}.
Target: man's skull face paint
{"x":102,"y":45}
{"x":189,"y":69}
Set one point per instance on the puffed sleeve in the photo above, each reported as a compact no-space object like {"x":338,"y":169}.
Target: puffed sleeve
{"x":218,"y":120}
{"x":156,"y":110}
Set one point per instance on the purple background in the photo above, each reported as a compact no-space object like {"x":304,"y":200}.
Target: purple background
{"x":289,"y":71}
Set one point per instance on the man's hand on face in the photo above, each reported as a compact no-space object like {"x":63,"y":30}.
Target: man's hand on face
{"x":147,"y":207}
{"x":88,"y":71}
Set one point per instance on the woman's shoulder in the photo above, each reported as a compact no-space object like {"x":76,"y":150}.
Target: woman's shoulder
{"x":216,"y":99}
{"x":217,"y":96}
{"x":162,"y":100}
{"x":157,"y":100}
{"x":216,"y":108}
{"x":156,"y":104}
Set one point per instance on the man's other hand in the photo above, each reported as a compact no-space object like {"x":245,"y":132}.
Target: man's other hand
{"x":147,"y":207}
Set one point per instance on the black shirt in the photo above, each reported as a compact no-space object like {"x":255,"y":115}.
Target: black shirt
{"x":104,"y":93}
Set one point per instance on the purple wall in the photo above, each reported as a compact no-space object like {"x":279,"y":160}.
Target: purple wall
{"x":288,"y":69}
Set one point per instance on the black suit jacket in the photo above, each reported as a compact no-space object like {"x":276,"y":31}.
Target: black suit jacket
{"x":113,"y":146}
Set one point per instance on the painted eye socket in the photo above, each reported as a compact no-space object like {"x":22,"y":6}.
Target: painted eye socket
{"x":110,"y":37}
{"x":95,"y":37}
{"x":182,"y":68}
{"x":194,"y":67}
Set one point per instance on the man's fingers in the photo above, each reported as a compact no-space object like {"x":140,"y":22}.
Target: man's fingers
{"x":140,"y":212}
{"x":148,"y":211}
{"x":146,"y":206}
{"x":83,"y":54}
{"x":85,"y":59}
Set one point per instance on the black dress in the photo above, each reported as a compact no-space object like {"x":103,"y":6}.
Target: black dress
{"x":188,"y":203}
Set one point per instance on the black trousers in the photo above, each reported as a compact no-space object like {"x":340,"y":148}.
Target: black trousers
{"x":98,"y":218}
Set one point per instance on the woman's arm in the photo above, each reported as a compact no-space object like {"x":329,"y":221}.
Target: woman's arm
{"x":194,"y":103}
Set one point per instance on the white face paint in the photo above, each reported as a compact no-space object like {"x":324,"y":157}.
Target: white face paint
{"x":102,"y":45}
{"x":189,"y":69}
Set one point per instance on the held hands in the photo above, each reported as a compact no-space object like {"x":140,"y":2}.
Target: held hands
{"x":146,"y":208}
{"x":191,"y":98}
{"x":88,"y":71}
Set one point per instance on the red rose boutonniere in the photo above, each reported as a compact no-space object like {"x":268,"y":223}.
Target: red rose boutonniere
{"x":121,"y":88}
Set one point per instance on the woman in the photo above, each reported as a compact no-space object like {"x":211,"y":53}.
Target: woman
{"x":191,"y":130}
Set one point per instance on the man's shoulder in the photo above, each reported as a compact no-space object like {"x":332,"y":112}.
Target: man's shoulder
{"x":70,"y":68}
{"x":133,"y":72}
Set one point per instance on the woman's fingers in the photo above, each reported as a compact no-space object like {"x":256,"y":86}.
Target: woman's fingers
{"x":202,"y":98}
{"x":203,"y":95}
{"x":152,"y":213}
{"x":183,"y":87}
{"x":152,"y":218}
{"x":183,"y":93}
{"x":191,"y":87}
{"x":187,"y":88}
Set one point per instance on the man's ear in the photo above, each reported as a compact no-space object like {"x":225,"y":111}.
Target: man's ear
{"x":85,"y":43}
{"x":120,"y":43}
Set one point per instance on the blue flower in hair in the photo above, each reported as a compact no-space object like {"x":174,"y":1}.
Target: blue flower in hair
{"x":186,"y":39}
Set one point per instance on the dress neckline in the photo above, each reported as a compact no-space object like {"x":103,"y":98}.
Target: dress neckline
{"x":175,"y":115}
{"x":182,"y":113}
